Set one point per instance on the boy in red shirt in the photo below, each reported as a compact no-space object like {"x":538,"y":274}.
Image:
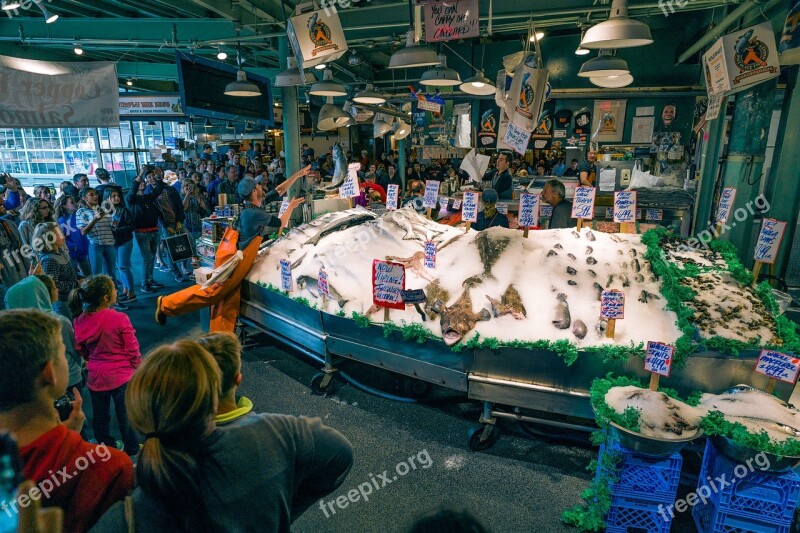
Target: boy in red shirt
{"x":81,"y":478}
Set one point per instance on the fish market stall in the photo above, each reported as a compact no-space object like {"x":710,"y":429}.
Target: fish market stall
{"x":512,"y":321}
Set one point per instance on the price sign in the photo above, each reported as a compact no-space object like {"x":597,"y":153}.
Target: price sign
{"x":612,"y":305}
{"x":609,"y":213}
{"x":529,"y":210}
{"x":502,"y":209}
{"x":388,"y":282}
{"x":778,"y":365}
{"x":425,"y":105}
{"x":322,"y":282}
{"x":431,"y":194}
{"x":545,"y":210}
{"x":625,"y":206}
{"x":430,"y":254}
{"x":469,"y":212}
{"x":659,"y":358}
{"x":414,"y":297}
{"x":349,"y":188}
{"x":583,"y":203}
{"x":284,"y":207}
{"x":769,"y":240}
{"x":725,"y":206}
{"x":392,"y":195}
{"x":456,"y":204}
{"x":286,"y":275}
{"x":654,"y":214}
{"x":638,"y":214}
{"x":517,"y":138}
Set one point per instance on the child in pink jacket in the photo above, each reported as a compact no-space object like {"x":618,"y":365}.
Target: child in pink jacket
{"x":106,"y":338}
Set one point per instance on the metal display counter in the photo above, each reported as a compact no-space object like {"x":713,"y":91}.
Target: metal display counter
{"x":532,"y":383}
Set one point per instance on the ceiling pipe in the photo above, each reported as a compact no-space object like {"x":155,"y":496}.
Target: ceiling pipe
{"x":718,"y":30}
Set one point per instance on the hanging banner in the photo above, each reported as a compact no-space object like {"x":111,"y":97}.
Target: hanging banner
{"x":316,"y":37}
{"x":544,"y":130}
{"x":490,"y":121}
{"x":451,"y":21}
{"x":42,"y":94}
{"x":529,"y":92}
{"x":168,"y":105}
{"x":741,"y":59}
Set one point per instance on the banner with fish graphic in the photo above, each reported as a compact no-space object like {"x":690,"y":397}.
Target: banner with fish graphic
{"x":740,"y":59}
{"x":544,"y":130}
{"x":489,"y":124}
{"x":316,"y":37}
{"x":528,"y":93}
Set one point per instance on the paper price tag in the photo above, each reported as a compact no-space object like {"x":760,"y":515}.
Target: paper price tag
{"x":416,"y":296}
{"x":654,"y":214}
{"x":469,"y":212}
{"x":583,"y":203}
{"x":430,"y":254}
{"x":659,"y":358}
{"x":322,"y":282}
{"x":726,"y":200}
{"x":529,"y":210}
{"x":286,"y":275}
{"x":517,"y":138}
{"x":456,"y":204}
{"x":778,"y":365}
{"x":545,"y":210}
{"x":392,"y":195}
{"x":431,"y":194}
{"x":388,"y":282}
{"x":625,"y":206}
{"x":349,"y":188}
{"x":502,"y":209}
{"x":284,"y":207}
{"x":612,"y":305}
{"x":769,"y":240}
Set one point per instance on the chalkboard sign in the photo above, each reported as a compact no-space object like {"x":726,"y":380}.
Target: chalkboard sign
{"x":416,"y":296}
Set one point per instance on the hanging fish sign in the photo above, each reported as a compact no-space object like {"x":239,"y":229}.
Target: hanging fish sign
{"x":528,"y":91}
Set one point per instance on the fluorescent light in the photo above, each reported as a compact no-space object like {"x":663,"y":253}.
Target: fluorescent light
{"x":619,"y":31}
{"x":539,"y":36}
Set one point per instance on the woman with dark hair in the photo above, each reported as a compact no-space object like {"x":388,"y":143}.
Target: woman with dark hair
{"x":56,"y":263}
{"x":122,"y":226}
{"x":259,"y":475}
{"x":77,"y":243}
{"x":34,"y":212}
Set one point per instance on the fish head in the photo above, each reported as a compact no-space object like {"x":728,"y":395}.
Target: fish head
{"x":495,"y":305}
{"x":455,"y":324}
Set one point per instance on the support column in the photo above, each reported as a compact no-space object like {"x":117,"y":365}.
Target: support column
{"x":782,"y":191}
{"x":706,"y":188}
{"x":401,"y":163}
{"x":291,"y":122}
{"x":745,"y":161}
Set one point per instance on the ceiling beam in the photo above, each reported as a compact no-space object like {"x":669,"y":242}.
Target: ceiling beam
{"x":241,"y":11}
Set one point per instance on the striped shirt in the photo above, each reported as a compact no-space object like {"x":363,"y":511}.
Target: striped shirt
{"x":101,"y":233}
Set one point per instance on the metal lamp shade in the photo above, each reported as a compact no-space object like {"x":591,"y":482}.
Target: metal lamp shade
{"x":613,"y":82}
{"x":619,"y":31}
{"x":401,"y":130}
{"x":242,"y":87}
{"x":478,"y":85}
{"x":292,"y":76}
{"x":369,"y":96}
{"x":413,"y":55}
{"x":327,"y":87}
{"x":440,"y":75}
{"x":332,"y":117}
{"x":603,"y":66}
{"x":382,"y":125}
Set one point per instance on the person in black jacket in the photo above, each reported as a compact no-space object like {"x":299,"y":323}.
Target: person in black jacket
{"x":171,"y":223}
{"x":122,"y":226}
{"x":105,"y":183}
{"x":145,"y":216}
{"x":502,"y":182}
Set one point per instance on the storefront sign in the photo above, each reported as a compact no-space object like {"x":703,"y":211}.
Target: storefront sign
{"x":612,"y":305}
{"x":167,"y":105}
{"x":517,"y":138}
{"x":322,"y":283}
{"x":726,"y":204}
{"x":583,"y":203}
{"x":469,"y":211}
{"x":451,"y":21}
{"x":659,"y":358}
{"x":431,"y":194}
{"x":42,"y":94}
{"x":430,"y":254}
{"x":529,"y":210}
{"x":286,"y":275}
{"x":392,"y":193}
{"x":777,"y":365}
{"x":769,"y":240}
{"x":654,"y":214}
{"x":741,"y":59}
{"x":388,"y":282}
{"x":625,"y":206}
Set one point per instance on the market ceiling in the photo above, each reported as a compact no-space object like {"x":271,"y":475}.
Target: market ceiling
{"x":142,"y":35}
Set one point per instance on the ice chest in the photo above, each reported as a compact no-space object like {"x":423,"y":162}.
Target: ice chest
{"x":212,"y":229}
{"x":316,"y":36}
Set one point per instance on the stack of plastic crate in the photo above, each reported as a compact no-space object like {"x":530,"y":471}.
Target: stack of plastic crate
{"x":645,"y":486}
{"x":748,"y":500}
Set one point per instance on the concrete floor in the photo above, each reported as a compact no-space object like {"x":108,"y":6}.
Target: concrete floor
{"x":519,"y":485}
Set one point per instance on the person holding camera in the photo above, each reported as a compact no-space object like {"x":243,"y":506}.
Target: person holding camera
{"x":145,"y":214}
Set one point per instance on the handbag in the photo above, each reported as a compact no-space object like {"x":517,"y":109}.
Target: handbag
{"x":179,"y":247}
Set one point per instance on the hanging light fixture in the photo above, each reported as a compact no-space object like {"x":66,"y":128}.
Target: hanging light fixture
{"x":78,"y":49}
{"x":321,"y":66}
{"x":539,"y":36}
{"x":151,"y":123}
{"x":603,"y":66}
{"x":48,"y":17}
{"x":327,"y":87}
{"x":207,"y":123}
{"x":248,"y":127}
{"x":229,"y":125}
{"x":441,"y":75}
{"x":221,"y":54}
{"x":413,"y":55}
{"x":619,"y":31}
{"x":613,"y":82}
{"x":332,"y":117}
{"x":241,"y":87}
{"x":581,"y":51}
{"x":129,"y":82}
{"x":369,"y":96}
{"x":401,"y":130}
{"x":478,"y":85}
{"x":8,"y":5}
{"x":355,"y":58}
{"x":291,"y":76}
{"x":382,"y":124}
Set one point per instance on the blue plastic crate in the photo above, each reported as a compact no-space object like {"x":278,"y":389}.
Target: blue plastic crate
{"x":635,"y":515}
{"x":759,"y":495}
{"x":710,"y":519}
{"x":639,"y":475}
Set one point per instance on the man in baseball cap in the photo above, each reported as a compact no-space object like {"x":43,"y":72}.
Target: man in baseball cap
{"x":490,"y":217}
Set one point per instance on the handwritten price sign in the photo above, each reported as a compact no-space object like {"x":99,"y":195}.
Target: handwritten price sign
{"x":545,"y":210}
{"x":517,"y":138}
{"x":726,"y":204}
{"x":529,"y":210}
{"x":284,"y":207}
{"x":392,"y":195}
{"x":388,"y":283}
{"x":322,"y":282}
{"x":456,"y":204}
{"x":583,"y":203}
{"x":502,"y":209}
{"x":424,"y":105}
{"x":625,"y":206}
{"x":431,"y":194}
{"x":469,"y":212}
{"x":777,"y":365}
{"x":286,"y":275}
{"x":769,"y":240}
{"x":430,"y":254}
{"x":349,"y":188}
{"x":612,"y":305}
{"x":654,"y":214}
{"x":659,"y":358}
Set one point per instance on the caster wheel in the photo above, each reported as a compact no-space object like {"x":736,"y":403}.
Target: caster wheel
{"x":474,"y":438}
{"x":319,"y":385}
{"x":414,"y":388}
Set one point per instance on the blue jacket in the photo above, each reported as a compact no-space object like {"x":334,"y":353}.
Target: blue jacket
{"x":77,"y":244}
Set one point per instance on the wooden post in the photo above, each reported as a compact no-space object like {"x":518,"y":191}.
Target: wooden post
{"x":323,"y":301}
{"x":654,"y":381}
{"x":469,"y":225}
{"x":352,"y":204}
{"x":772,"y":274}
{"x":770,"y":386}
{"x":580,"y":224}
{"x":386,"y":314}
{"x":525,"y":232}
{"x":719,"y":228}
{"x":756,"y":272}
{"x":428,"y":213}
{"x":611,"y":327}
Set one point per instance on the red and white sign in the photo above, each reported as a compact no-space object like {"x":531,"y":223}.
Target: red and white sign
{"x":769,"y":240}
{"x":659,"y":358}
{"x":583,"y":203}
{"x":388,"y":283}
{"x":778,"y":365}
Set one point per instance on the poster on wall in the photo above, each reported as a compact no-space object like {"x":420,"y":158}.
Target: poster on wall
{"x":609,"y":120}
{"x":451,"y":21}
{"x":489,"y":123}
{"x":583,"y":121}
{"x":642,"y":130}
